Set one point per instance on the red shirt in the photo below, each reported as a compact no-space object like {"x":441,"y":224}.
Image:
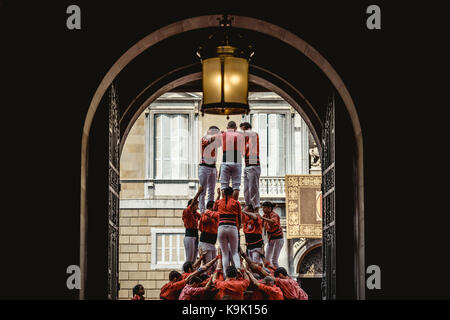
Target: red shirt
{"x":209,"y":222}
{"x":233,"y":288}
{"x":233,"y":145}
{"x":209,"y":147}
{"x":172,"y":290}
{"x":192,"y":293}
{"x":291,"y":290}
{"x":184,"y":275}
{"x":258,"y":294}
{"x":190,"y":218}
{"x":273,"y":228}
{"x":273,"y":292}
{"x":229,"y":212}
{"x":137,"y":297}
{"x":251,"y":225}
{"x":251,"y":148}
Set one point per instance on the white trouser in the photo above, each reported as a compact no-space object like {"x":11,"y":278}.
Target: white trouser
{"x":207,"y":179}
{"x":210,"y":250}
{"x":251,"y":185}
{"x":228,"y":237}
{"x":255,"y":255}
{"x":190,"y":248}
{"x":273,"y":250}
{"x":231,"y":170}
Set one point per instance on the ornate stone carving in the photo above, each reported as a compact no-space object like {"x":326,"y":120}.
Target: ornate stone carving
{"x":301,"y":206}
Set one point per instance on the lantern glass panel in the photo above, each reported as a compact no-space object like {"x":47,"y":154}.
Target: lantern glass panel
{"x":236,"y":80}
{"x":212,"y":79}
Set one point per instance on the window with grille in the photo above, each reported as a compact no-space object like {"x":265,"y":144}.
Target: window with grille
{"x":167,"y":248}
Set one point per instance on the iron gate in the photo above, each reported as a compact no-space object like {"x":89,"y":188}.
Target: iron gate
{"x":329,"y":203}
{"x":113,"y":197}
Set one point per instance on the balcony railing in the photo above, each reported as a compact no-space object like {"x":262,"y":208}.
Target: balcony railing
{"x":272,"y":187}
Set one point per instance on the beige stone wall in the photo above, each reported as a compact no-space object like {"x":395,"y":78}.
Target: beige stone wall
{"x":132,"y":161}
{"x":135,"y":246}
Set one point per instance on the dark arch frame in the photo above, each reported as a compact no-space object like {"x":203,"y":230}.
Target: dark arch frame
{"x":244,"y":23}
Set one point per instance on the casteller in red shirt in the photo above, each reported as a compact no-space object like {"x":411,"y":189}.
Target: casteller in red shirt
{"x":273,"y":228}
{"x":209,"y":222}
{"x":232,"y":287}
{"x":272,"y":291}
{"x":290,"y":288}
{"x":191,"y":217}
{"x":192,"y":292}
{"x":229,"y":211}
{"x":172,"y":289}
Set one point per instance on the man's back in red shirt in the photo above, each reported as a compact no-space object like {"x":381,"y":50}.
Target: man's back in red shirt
{"x":232,"y":287}
{"x":272,"y":292}
{"x":190,"y":218}
{"x":290,"y":288}
{"x":191,"y":292}
{"x":172,"y":290}
{"x":209,"y":222}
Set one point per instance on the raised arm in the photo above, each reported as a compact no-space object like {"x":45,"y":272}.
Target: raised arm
{"x":199,"y":260}
{"x":266,"y":262}
{"x":198,"y":271}
{"x":209,"y":283}
{"x":254,"y":267}
{"x":200,"y":189}
{"x":219,"y":264}
{"x":244,"y":272}
{"x":252,"y":278}
{"x":249,"y":262}
{"x":210,"y":263}
{"x":250,"y":214}
{"x":218,"y":194}
{"x":266,"y":219}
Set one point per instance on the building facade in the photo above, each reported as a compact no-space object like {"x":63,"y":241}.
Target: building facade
{"x":159,"y":174}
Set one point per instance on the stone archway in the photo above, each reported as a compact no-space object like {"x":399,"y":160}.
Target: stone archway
{"x":244,"y":23}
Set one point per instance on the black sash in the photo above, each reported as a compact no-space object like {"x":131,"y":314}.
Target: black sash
{"x":191,"y":233}
{"x":253,"y":240}
{"x":208,"y":237}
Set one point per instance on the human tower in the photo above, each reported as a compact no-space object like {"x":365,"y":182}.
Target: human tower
{"x":229,"y":272}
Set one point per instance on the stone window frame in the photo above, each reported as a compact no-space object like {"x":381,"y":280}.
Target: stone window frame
{"x":154,"y":265}
{"x":179,"y":106}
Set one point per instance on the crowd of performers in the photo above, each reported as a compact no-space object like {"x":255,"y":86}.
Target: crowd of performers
{"x":230,"y":273}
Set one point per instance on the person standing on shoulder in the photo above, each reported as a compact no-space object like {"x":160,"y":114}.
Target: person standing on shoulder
{"x":190,"y":219}
{"x":232,"y":143}
{"x":252,"y":170}
{"x":274,"y":231}
{"x":208,"y":225}
{"x":253,"y":226}
{"x":228,"y":233}
{"x":207,"y":171}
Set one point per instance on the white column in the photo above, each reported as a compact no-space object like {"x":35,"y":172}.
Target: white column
{"x":284,"y":258}
{"x":305,"y":147}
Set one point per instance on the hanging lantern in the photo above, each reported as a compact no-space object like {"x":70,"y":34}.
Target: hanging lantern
{"x":225,"y":58}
